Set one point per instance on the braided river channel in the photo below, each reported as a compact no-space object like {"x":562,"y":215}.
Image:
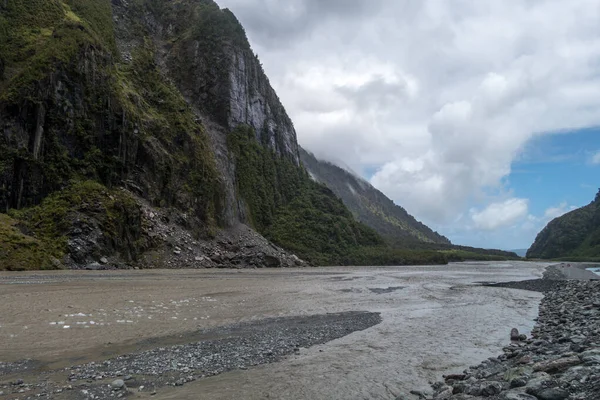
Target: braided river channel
{"x":435,"y":320}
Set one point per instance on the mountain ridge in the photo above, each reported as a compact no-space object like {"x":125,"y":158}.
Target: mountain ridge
{"x":368,"y":204}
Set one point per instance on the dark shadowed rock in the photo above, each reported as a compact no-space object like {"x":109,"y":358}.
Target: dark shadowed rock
{"x":553,"y":394}
{"x":272,"y":261}
{"x":514,"y":334}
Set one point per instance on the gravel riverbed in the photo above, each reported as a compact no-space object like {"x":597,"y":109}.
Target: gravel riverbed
{"x":222,"y":349}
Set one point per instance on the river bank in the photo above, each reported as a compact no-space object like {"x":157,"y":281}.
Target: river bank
{"x":561,"y":358}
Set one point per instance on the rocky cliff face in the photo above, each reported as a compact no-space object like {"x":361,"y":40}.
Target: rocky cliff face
{"x":138,"y":95}
{"x":369,"y":205}
{"x":253,"y":102}
{"x":575,"y":235}
{"x":205,"y":52}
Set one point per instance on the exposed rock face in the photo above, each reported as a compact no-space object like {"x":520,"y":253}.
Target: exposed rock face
{"x":211,"y":62}
{"x":255,"y":103}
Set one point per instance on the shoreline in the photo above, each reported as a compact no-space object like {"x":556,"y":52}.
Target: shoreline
{"x":561,"y":359}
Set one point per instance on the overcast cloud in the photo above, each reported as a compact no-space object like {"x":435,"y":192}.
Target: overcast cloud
{"x":438,"y":97}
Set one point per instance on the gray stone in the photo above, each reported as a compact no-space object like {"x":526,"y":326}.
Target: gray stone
{"x":553,"y":394}
{"x":518,"y":382}
{"x":103,"y":260}
{"x":557,"y":365}
{"x":272,"y":262}
{"x":93,"y":266}
{"x":491,"y":388}
{"x":444,"y":395}
{"x":576,"y":374}
{"x":516,"y":395}
{"x":591,"y":356}
{"x":537,"y":384}
{"x":117,"y":384}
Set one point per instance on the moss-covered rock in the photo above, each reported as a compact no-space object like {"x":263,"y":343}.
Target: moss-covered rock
{"x":85,"y":222}
{"x":19,"y":251}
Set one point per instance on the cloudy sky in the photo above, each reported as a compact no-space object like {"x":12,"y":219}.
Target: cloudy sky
{"x":477,"y":116}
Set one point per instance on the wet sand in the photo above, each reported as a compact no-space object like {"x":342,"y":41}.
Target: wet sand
{"x":435,"y":321}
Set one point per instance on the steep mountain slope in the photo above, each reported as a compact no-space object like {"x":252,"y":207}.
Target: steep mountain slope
{"x":369,"y":205}
{"x":575,"y":235}
{"x":133,"y":130}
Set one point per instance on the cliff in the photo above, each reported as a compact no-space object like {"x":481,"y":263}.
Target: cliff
{"x":144,"y":133}
{"x":369,"y":205}
{"x":574,"y":236}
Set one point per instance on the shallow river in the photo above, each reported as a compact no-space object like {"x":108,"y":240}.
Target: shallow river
{"x":434,"y":322}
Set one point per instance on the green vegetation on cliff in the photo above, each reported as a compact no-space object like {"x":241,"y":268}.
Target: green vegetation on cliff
{"x":19,"y":251}
{"x":36,"y":237}
{"x":574,"y":236}
{"x":74,"y":110}
{"x":304,"y":216}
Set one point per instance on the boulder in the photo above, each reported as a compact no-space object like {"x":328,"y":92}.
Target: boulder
{"x":272,"y":261}
{"x":514,"y":334}
{"x":553,"y":394}
{"x":117,"y":384}
{"x":93,"y":266}
{"x":591,"y":356}
{"x":516,"y":395}
{"x":561,"y":364}
{"x":540,"y":382}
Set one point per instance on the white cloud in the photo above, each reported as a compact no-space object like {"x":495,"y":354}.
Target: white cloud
{"x":534,"y":224}
{"x":502,"y":214}
{"x":555,"y":212}
{"x":595,"y":160}
{"x":440,"y":96}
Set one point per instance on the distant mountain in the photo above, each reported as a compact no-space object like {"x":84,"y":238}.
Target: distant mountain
{"x":520,"y":252}
{"x":369,"y":205}
{"x":575,"y":235}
